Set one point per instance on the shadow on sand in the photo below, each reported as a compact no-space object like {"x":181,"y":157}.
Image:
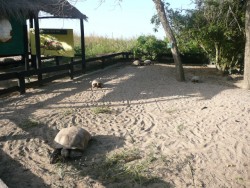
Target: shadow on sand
{"x":14,"y":174}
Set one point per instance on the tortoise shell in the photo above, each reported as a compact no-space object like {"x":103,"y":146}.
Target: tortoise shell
{"x":97,"y":83}
{"x":72,"y":138}
{"x":137,"y":63}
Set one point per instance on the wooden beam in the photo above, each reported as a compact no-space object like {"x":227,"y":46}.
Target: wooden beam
{"x":33,"y":57}
{"x":31,"y":22}
{"x":83,"y":46}
{"x":21,"y":84}
{"x":71,"y":68}
{"x":57,"y":60}
{"x":26,"y":47}
{"x":38,"y":50}
{"x":55,"y":17}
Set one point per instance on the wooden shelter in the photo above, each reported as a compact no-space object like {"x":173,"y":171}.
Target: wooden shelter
{"x":25,"y":8}
{"x":22,"y":10}
{"x":29,"y":9}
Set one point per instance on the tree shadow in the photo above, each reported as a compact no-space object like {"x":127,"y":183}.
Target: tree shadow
{"x":158,"y":82}
{"x":119,"y":86}
{"x":15,"y":175}
{"x":97,"y":165}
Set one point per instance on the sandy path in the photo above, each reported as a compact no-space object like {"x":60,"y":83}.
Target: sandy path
{"x":187,"y":135}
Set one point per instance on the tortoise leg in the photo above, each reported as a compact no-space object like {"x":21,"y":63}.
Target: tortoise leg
{"x":54,"y":157}
{"x":65,"y":153}
{"x":100,"y":85}
{"x":76,"y":153}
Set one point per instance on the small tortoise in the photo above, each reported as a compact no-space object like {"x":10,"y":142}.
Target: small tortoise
{"x":69,"y":143}
{"x":195,"y":79}
{"x":96,"y":84}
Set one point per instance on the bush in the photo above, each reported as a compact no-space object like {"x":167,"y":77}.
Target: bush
{"x":149,"y":47}
{"x":97,"y":45}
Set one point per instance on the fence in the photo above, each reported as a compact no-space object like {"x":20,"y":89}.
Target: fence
{"x":64,"y":70}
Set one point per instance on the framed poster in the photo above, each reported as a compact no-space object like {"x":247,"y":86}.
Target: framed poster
{"x":54,"y":42}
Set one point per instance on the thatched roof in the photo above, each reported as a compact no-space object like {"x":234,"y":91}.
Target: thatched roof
{"x":58,"y":8}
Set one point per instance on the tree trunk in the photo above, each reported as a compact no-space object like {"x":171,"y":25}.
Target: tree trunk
{"x":175,"y":52}
{"x":216,"y":54}
{"x":247,"y":49}
{"x":218,"y":57}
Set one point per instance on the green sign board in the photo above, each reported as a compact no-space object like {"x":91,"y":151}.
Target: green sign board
{"x":11,"y":37}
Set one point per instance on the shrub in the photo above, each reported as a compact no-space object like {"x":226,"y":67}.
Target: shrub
{"x":97,"y":45}
{"x":149,"y":47}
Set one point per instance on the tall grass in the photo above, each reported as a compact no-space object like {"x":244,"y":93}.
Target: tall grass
{"x":97,"y":45}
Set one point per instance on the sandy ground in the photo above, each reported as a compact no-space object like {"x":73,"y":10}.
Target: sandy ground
{"x":152,"y":131}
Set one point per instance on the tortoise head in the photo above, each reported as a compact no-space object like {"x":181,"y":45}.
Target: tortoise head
{"x":99,"y":85}
{"x":55,"y":156}
{"x":59,"y":155}
{"x":65,"y":153}
{"x":94,"y":85}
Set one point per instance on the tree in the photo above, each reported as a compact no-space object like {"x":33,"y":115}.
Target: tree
{"x":159,"y":5}
{"x":149,"y":47}
{"x":165,"y":23}
{"x":247,"y":49}
{"x":217,"y":27}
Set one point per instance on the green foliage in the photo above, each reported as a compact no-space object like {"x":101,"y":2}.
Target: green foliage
{"x":29,"y":123}
{"x":78,"y":50}
{"x":149,"y":47}
{"x":101,"y":110}
{"x":97,"y":45}
{"x":128,"y":165}
{"x":214,"y":28}
{"x":178,"y":22}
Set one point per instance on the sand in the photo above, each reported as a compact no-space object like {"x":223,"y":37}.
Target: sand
{"x":153,"y":132}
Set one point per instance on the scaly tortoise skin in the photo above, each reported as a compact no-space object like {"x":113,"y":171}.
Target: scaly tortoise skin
{"x":69,"y":143}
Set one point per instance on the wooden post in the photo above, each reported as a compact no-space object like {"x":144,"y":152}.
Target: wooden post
{"x":38,"y":50}
{"x":83,"y":46}
{"x":26,"y":47}
{"x":21,"y":83}
{"x":103,"y":62}
{"x":33,"y":57}
{"x":57,"y":60}
{"x":71,"y":68}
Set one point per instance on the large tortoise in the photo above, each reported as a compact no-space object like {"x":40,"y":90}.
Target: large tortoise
{"x":137,"y":63}
{"x":69,"y":143}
